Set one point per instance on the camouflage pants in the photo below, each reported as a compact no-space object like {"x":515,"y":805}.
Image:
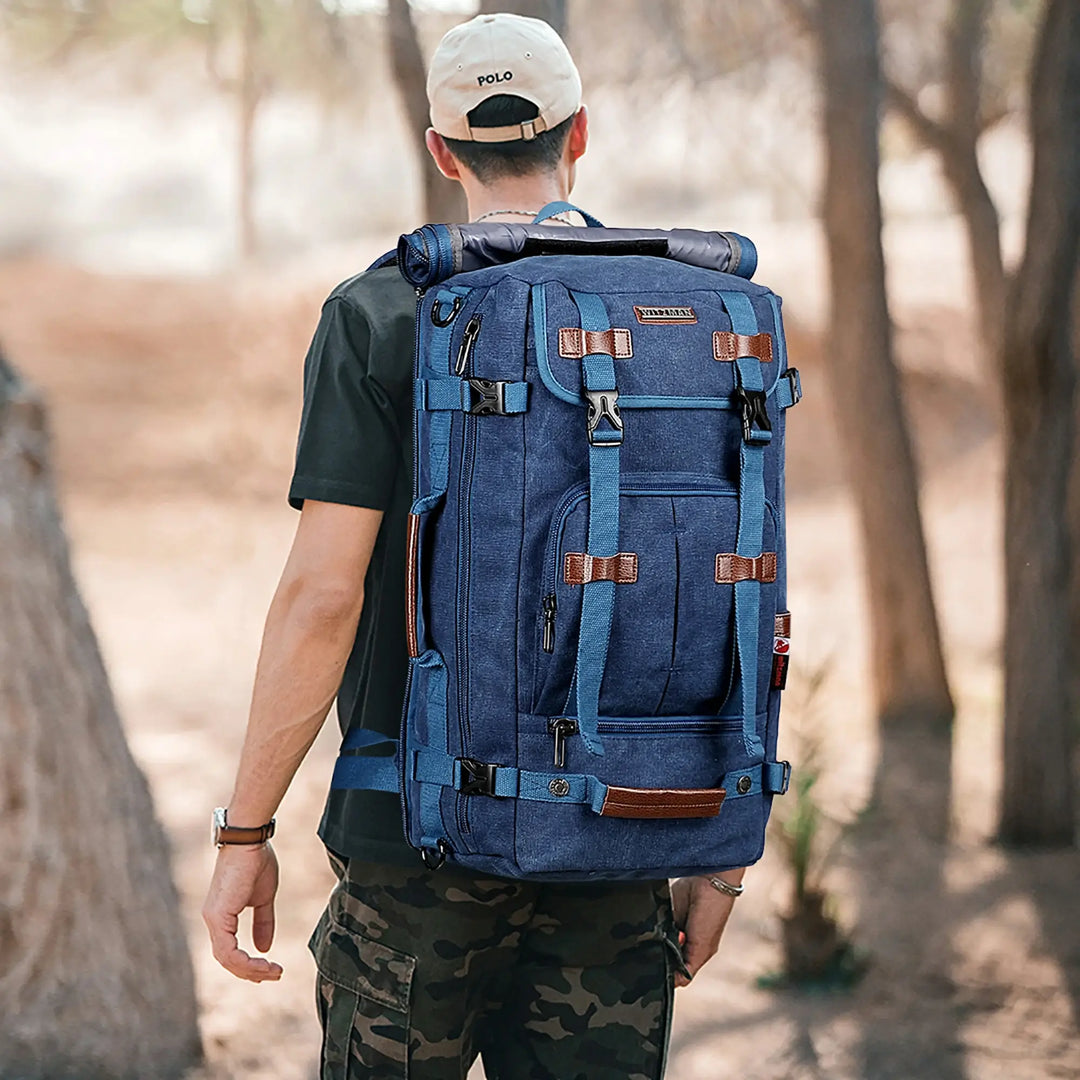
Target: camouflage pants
{"x":421,"y":971}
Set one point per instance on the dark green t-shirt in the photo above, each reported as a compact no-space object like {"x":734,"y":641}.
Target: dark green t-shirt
{"x":355,"y":447}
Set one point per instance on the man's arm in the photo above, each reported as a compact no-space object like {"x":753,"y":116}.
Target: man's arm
{"x":310,"y":630}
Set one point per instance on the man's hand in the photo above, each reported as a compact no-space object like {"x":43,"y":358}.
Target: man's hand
{"x":701,"y":912}
{"x":244,"y":877}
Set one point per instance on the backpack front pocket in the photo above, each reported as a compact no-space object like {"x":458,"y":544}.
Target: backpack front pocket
{"x":670,"y":650}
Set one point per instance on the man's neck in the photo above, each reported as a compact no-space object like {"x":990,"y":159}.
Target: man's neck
{"x":526,"y":195}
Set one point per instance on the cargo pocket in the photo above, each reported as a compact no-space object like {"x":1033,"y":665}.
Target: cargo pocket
{"x":363,"y":1001}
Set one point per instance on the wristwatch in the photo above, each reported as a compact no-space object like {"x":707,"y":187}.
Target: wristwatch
{"x":223,"y":833}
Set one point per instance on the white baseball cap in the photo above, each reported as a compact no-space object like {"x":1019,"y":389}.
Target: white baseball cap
{"x":501,"y":54}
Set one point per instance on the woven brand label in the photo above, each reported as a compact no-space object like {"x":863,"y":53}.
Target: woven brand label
{"x":665,"y":314}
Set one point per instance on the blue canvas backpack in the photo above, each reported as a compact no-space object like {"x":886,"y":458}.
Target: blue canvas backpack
{"x":597,"y":618}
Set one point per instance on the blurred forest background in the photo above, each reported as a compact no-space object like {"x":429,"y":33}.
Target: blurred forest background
{"x":183,"y":181}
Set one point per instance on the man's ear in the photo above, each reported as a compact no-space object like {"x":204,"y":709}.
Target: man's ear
{"x":446,"y":162}
{"x":578,"y":139}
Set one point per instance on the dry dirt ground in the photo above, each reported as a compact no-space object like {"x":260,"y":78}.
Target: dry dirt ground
{"x":174,"y":406}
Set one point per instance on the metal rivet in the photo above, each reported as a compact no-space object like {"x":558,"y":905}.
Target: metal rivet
{"x":559,"y":787}
{"x":744,"y":785}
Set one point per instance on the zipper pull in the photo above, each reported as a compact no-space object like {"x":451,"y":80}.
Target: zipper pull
{"x":560,"y":728}
{"x":468,"y":339}
{"x":550,"y":607}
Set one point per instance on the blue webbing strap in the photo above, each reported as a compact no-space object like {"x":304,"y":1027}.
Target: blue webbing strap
{"x":560,"y":207}
{"x":449,"y":394}
{"x":598,"y":599}
{"x":356,"y":770}
{"x":432,"y":829}
{"x":431,"y":768}
{"x":751,"y":529}
{"x":437,"y":358}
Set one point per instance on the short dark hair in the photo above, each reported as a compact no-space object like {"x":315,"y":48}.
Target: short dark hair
{"x":494,"y":161}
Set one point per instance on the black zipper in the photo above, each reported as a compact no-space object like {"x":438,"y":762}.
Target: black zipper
{"x":551,"y":609}
{"x":468,"y":460}
{"x":674,"y":726}
{"x":468,"y":339}
{"x":560,"y":728}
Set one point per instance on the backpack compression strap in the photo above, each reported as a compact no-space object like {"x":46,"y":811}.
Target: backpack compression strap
{"x":605,"y":431}
{"x":757,"y":433}
{"x":357,"y":768}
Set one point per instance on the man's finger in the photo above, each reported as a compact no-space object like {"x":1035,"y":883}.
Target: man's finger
{"x":253,"y":968}
{"x":223,"y":943}
{"x":262,"y":926}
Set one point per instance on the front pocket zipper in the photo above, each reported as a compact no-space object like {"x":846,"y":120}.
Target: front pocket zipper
{"x":706,"y":726}
{"x":560,"y":728}
{"x":551,"y":608}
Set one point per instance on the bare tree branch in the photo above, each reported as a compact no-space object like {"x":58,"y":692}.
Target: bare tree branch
{"x":407,"y":63}
{"x":803,"y":13}
{"x":443,"y":199}
{"x":932,"y":132}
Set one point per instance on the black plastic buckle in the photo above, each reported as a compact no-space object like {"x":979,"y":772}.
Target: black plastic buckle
{"x":604,"y":405}
{"x":785,"y":781}
{"x":792,"y":376}
{"x":477,"y":777}
{"x":756,"y":427}
{"x":483,"y":397}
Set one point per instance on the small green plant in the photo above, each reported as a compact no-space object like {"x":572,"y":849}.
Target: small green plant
{"x":816,"y":950}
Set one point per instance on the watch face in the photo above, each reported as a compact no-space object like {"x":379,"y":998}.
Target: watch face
{"x":217,"y":823}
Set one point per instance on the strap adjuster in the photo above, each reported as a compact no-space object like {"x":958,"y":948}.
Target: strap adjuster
{"x":792,"y":376}
{"x":604,"y":405}
{"x":483,"y":397}
{"x":785,"y":778}
{"x":756,"y":427}
{"x":477,"y":777}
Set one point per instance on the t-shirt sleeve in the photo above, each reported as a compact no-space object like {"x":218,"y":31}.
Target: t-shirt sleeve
{"x":349,"y":447}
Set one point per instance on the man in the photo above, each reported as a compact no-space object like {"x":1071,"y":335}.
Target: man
{"x":419,"y":970}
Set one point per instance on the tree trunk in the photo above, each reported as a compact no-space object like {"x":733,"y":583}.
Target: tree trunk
{"x":249,"y":92}
{"x":95,"y":976}
{"x":956,"y":141}
{"x":908,"y":668}
{"x":961,"y":167}
{"x":964,"y":47}
{"x":444,"y":200}
{"x":1038,"y":380}
{"x":551,"y":11}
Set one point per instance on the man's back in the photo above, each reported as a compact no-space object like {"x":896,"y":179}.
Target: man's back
{"x":421,"y":970}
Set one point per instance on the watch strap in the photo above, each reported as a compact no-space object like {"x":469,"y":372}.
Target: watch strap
{"x":234,"y":834}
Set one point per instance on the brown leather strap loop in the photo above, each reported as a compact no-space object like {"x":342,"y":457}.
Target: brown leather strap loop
{"x":412,"y":571}
{"x":729,"y":346}
{"x":580,"y":569}
{"x":731,"y":569}
{"x":782,"y":624}
{"x":624,"y":802}
{"x":574,"y":343}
